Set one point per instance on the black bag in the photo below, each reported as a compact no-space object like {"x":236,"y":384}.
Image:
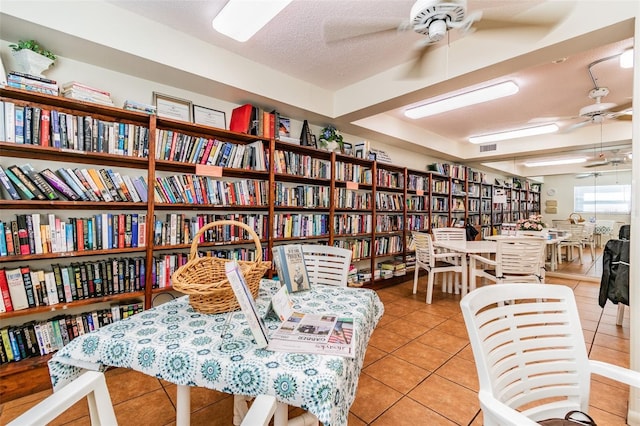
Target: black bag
{"x":614,"y":284}
{"x":572,"y":418}
{"x":625,"y":232}
{"x":472,"y":232}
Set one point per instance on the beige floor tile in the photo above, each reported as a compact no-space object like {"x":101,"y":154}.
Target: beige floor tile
{"x":408,"y":412}
{"x":406,"y":328}
{"x":396,"y":373}
{"x":426,"y":357}
{"x":447,"y":398}
{"x":460,"y":371}
{"x":387,"y":340}
{"x":446,"y":342}
{"x":373,"y":398}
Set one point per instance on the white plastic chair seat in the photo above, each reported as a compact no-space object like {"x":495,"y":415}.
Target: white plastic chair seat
{"x":518,"y":259}
{"x":326,"y":264}
{"x":434,"y":263}
{"x":90,"y":384}
{"x":530,"y":354}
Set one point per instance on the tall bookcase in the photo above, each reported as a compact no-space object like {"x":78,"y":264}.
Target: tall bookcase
{"x":285,"y":192}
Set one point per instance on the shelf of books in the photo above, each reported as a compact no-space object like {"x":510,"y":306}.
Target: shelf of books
{"x":99,"y":206}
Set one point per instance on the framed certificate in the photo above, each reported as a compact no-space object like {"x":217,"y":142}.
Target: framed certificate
{"x":173,"y":108}
{"x":209,"y":117}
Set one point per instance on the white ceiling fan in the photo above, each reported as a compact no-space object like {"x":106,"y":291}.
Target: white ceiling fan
{"x":600,"y":111}
{"x":614,"y":159}
{"x":434,"y":18}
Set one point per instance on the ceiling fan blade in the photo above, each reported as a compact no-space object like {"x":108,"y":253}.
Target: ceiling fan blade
{"x":622,"y":108}
{"x":575,"y":126}
{"x":623,"y":117}
{"x":621,"y":112}
{"x":597,"y":164}
{"x":415,"y":70}
{"x":585,"y":175}
{"x":338,"y":31}
{"x":546,"y":16}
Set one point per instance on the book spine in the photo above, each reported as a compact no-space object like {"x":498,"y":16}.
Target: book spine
{"x":45,"y":128}
{"x":4,"y":289}
{"x":71,"y":183}
{"x":16,"y":124}
{"x":8,"y":186}
{"x":39,"y":181}
{"x":27,"y":182}
{"x":32,"y":77}
{"x":59,"y":185}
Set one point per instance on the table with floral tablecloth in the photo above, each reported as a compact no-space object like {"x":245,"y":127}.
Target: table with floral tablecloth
{"x":182,"y":346}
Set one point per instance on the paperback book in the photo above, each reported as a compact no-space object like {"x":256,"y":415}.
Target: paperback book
{"x":289,"y":261}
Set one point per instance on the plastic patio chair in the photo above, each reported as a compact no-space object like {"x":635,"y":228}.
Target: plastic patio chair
{"x":326,"y":264}
{"x":530,"y":353}
{"x":91,"y":385}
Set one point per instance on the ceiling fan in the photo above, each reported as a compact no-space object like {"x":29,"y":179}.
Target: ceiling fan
{"x":600,"y":111}
{"x":433,"y":19}
{"x":615,"y":159}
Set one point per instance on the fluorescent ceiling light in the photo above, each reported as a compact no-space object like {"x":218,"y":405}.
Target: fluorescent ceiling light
{"x":626,"y":59}
{"x":241,"y":19}
{"x":555,"y":162}
{"x":470,"y":98}
{"x":513,"y":134}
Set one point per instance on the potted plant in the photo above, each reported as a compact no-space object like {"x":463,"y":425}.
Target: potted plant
{"x":32,"y":58}
{"x":331,"y":139}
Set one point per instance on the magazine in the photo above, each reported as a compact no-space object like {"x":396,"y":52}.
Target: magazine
{"x":289,"y":261}
{"x":318,"y":334}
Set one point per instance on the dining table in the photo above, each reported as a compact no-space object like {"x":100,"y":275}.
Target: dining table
{"x":468,"y":247}
{"x":552,"y":240}
{"x":178,"y":344}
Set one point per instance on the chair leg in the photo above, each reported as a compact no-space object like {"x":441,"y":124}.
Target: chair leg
{"x":430,"y":287}
{"x":580,"y":253}
{"x":620,"y":314}
{"x":415,"y":278}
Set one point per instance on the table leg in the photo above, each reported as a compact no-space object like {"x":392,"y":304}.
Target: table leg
{"x":472,"y":273}
{"x":465,"y":281}
{"x":183,"y":405}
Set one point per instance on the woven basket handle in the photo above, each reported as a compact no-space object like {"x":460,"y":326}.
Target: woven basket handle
{"x":196,"y":238}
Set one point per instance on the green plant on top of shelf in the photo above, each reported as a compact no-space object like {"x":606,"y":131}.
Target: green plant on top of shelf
{"x":34,"y":46}
{"x":330,"y":137}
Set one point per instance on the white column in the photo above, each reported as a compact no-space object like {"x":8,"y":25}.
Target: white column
{"x":634,"y":269}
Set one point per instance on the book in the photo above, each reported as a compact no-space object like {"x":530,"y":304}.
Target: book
{"x":4,"y":289}
{"x":289,"y":261}
{"x":244,"y":119}
{"x":246,"y":302}
{"x":32,"y":191}
{"x":39,"y":181}
{"x":16,"y":289}
{"x":59,"y":185}
{"x":8,"y":185}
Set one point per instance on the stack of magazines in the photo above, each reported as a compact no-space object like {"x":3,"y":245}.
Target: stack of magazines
{"x":140,"y":107}
{"x":32,"y":82}
{"x":82,"y":92}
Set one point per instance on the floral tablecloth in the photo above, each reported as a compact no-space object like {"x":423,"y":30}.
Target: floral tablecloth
{"x":175,"y":343}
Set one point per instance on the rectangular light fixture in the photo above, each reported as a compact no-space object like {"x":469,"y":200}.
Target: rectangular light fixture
{"x":241,"y":19}
{"x":473,"y":97}
{"x":555,"y":162}
{"x":513,"y":134}
{"x":626,"y":59}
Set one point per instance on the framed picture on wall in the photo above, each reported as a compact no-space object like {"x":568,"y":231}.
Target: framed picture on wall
{"x":172,"y":107}
{"x":209,"y":117}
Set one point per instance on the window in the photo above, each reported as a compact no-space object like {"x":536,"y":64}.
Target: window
{"x":612,"y":199}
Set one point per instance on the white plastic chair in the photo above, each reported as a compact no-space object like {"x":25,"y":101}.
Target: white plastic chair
{"x":434,"y":263}
{"x":326,"y":264}
{"x":518,"y":259}
{"x":449,"y":234}
{"x":261,"y":411}
{"x":588,"y":238}
{"x":574,"y":240}
{"x":90,"y":384}
{"x":530,"y":354}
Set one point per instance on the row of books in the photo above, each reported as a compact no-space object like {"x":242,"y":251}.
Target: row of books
{"x":440,"y":187}
{"x":38,"y":338}
{"x":179,"y":229}
{"x":352,"y":199}
{"x":57,"y":129}
{"x":387,"y":201}
{"x":360,"y":249}
{"x":417,"y":222}
{"x":194,"y":189}
{"x":300,"y":225}
{"x":388,"y":245}
{"x":349,"y":224}
{"x":389,"y":179}
{"x":389,"y":222}
{"x":293,"y":163}
{"x":310,"y":196}
{"x":24,"y":287}
{"x":419,"y":202}
{"x":75,"y":184}
{"x":130,"y":105}
{"x":82,"y":92}
{"x":392,"y":268}
{"x":176,"y":146}
{"x":349,"y":172}
{"x":416,"y":182}
{"x":41,"y":234}
{"x":32,"y":83}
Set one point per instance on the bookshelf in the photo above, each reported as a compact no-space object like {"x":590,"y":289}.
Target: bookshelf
{"x":191,"y":175}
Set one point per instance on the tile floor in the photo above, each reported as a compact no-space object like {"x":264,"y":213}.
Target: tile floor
{"x":418,"y":369}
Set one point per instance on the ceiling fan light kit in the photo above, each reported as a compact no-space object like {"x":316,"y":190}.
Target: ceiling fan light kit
{"x":473,"y":97}
{"x":242,"y":19}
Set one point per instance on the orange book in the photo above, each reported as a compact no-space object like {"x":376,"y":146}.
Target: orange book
{"x":45,"y":127}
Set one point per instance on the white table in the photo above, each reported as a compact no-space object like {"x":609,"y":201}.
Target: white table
{"x":468,"y":247}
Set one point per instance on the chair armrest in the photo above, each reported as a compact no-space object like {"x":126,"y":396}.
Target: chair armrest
{"x":483,"y":259}
{"x":447,"y":255}
{"x":497,"y":410}
{"x":620,"y":374}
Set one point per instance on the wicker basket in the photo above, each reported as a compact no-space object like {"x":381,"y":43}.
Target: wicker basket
{"x":204,"y":278}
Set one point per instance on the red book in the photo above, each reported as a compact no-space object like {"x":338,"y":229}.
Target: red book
{"x":45,"y":126}
{"x":4,"y":288}
{"x":79,"y":235}
{"x":121,"y":230}
{"x":241,"y":118}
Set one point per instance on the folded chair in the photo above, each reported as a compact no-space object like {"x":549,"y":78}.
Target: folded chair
{"x":530,"y":354}
{"x":91,"y":385}
{"x":434,"y":263}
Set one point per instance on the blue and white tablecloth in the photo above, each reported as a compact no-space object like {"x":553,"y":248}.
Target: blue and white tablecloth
{"x":180,"y":345}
